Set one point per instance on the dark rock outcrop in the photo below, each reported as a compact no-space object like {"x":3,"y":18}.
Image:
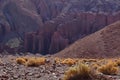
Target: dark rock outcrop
{"x":17,"y":18}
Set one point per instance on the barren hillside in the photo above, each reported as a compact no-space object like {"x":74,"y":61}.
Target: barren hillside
{"x":104,"y":43}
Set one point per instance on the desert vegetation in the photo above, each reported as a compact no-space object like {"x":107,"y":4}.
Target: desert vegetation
{"x":110,"y":68}
{"x":78,"y":72}
{"x":56,"y":68}
{"x":31,"y":61}
{"x":77,"y":69}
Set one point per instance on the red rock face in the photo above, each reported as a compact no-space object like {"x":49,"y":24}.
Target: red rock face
{"x":29,"y":41}
{"x":57,"y":34}
{"x":58,"y":43}
{"x":111,"y":18}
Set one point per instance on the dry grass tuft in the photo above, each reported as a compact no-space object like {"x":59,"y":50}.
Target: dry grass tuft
{"x":21,"y":60}
{"x":110,"y":68}
{"x":79,"y":72}
{"x":95,"y":66}
{"x":89,"y":60}
{"x":33,"y":62}
{"x":57,"y":60}
{"x":68,"y":61}
{"x":41,"y":61}
{"x":118,"y":62}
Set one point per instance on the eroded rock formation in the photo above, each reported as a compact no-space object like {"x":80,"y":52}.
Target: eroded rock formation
{"x":59,"y":33}
{"x":48,"y":26}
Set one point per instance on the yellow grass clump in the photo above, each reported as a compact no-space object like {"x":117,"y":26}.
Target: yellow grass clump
{"x":118,"y":62}
{"x":95,"y":66}
{"x":21,"y":60}
{"x":78,"y":72}
{"x":41,"y":61}
{"x":68,"y":61}
{"x":57,"y":60}
{"x":89,"y":60}
{"x":35,"y":62}
{"x":31,"y":61}
{"x":110,"y":68}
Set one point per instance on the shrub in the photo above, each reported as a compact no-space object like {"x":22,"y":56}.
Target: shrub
{"x":109,"y":69}
{"x":89,"y":60}
{"x":57,"y":60}
{"x":79,"y":72}
{"x":118,"y":62}
{"x":95,"y":66}
{"x":33,"y":62}
{"x":21,"y":60}
{"x":69,"y":61}
{"x":40,"y":61}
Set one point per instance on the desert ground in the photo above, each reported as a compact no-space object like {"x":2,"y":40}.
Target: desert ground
{"x":13,"y":67}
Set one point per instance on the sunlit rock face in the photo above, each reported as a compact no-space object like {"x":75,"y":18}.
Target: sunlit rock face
{"x":48,"y":26}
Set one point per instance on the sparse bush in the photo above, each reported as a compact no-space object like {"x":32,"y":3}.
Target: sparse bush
{"x":21,"y":60}
{"x":110,"y":68}
{"x":69,"y":61}
{"x":79,"y":72}
{"x":57,"y":60}
{"x":103,"y":61}
{"x":33,"y":62}
{"x":41,"y":61}
{"x":118,"y":62}
{"x":89,"y":60}
{"x":94,"y":66}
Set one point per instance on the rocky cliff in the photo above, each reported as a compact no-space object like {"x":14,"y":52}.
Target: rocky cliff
{"x":61,"y":32}
{"x":48,"y":26}
{"x":17,"y":17}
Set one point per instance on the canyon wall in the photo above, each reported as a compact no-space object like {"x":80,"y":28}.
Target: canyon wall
{"x":48,"y":26}
{"x":61,"y":32}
